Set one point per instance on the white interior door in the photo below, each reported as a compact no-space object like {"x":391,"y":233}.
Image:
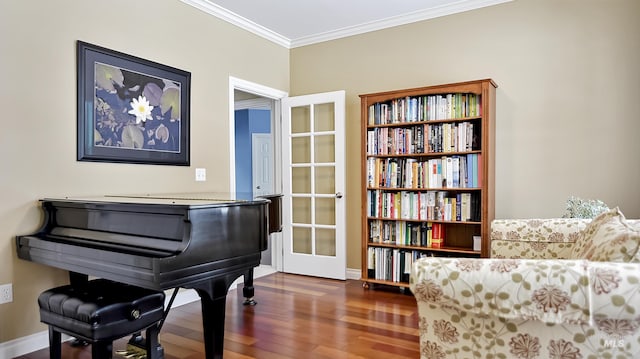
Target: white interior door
{"x":313,"y":179}
{"x":262,"y":164}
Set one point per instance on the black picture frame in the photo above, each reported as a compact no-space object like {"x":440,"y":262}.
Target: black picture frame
{"x":127,"y":109}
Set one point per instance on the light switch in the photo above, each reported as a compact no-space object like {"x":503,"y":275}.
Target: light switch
{"x":201,"y":174}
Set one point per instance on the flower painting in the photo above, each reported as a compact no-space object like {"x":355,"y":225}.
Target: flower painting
{"x":136,"y":111}
{"x":131,"y":110}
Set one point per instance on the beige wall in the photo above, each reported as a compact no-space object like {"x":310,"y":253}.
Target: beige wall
{"x":567,"y":119}
{"x":38,"y":92}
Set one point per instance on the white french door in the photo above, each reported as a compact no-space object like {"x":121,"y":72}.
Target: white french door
{"x":313,"y":165}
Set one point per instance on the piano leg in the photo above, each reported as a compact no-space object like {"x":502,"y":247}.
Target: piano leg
{"x":213,"y":313}
{"x":213,"y":299}
{"x":248,"y":290}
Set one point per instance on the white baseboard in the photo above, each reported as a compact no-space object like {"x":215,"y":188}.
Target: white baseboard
{"x":40,"y":340}
{"x":24,"y":345}
{"x":354,"y":273}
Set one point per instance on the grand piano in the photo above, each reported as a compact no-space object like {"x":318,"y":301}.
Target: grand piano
{"x":197,"y":241}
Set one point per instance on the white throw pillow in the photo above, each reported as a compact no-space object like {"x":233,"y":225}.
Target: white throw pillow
{"x":608,"y":238}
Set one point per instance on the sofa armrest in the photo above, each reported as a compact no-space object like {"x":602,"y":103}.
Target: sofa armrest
{"x":551,"y":291}
{"x":535,"y":238}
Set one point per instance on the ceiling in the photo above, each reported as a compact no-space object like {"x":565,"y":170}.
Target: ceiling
{"x":294,"y":23}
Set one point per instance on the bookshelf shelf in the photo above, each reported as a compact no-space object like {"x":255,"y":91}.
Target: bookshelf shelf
{"x":385,"y":282}
{"x":427,"y":164}
{"x":432,"y":250}
{"x":431,"y":122}
{"x":426,"y":189}
{"x":424,"y":154}
{"x":422,"y":220}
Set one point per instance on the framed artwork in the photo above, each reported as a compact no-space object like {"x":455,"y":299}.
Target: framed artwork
{"x":131,"y":110}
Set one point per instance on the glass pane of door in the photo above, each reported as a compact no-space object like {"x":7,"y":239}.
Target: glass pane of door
{"x":325,"y":241}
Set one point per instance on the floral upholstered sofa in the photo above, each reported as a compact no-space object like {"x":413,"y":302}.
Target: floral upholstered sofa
{"x":554,"y":288}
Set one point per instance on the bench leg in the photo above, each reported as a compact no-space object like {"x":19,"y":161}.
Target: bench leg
{"x":54,"y":344}
{"x":153,"y":347}
{"x":101,"y":350}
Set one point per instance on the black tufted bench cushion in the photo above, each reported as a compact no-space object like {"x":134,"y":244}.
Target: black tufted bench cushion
{"x":100,"y":311}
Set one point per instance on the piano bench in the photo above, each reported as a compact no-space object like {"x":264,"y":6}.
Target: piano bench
{"x":99,"y":312}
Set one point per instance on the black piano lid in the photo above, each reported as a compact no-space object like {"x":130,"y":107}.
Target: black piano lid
{"x":188,"y":200}
{"x":174,"y":233}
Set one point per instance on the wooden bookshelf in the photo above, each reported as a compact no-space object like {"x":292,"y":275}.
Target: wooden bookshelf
{"x":427,"y":165}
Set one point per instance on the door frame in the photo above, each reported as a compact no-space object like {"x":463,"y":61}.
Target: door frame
{"x":275,"y":96}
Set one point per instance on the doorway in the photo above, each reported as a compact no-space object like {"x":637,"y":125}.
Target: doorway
{"x":255,"y":116}
{"x":311,"y":177}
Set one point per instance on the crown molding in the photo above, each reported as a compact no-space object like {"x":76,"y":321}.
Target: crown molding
{"x":426,"y":14}
{"x":239,"y":21}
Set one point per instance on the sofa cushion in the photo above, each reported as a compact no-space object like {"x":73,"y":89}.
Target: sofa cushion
{"x":535,"y":238}
{"x":608,"y":238}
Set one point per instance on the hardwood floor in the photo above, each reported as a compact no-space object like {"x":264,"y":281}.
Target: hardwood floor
{"x":296,"y":317}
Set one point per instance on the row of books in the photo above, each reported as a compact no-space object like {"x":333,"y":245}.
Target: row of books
{"x":425,"y":108}
{"x":452,"y":137}
{"x":424,"y":206}
{"x":396,"y":141}
{"x":418,"y":139}
{"x":446,"y":172}
{"x":391,"y":264}
{"x":424,"y":234}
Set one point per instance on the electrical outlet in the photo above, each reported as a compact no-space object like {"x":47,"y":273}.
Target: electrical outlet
{"x":6,"y":293}
{"x":201,"y":174}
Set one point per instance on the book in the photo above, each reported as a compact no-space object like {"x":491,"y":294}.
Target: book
{"x":479,"y":165}
{"x":470,"y":173}
{"x":371,"y":262}
{"x":449,"y":176}
{"x":422,"y":204}
{"x":465,"y":207}
{"x":406,"y":266}
{"x":425,"y":232}
{"x":477,"y":243}
{"x":439,"y":205}
{"x":431,"y":205}
{"x":375,"y":234}
{"x":429,"y":234}
{"x":405,"y":203}
{"x":455,"y":164}
{"x":437,"y":240}
{"x":474,"y":170}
